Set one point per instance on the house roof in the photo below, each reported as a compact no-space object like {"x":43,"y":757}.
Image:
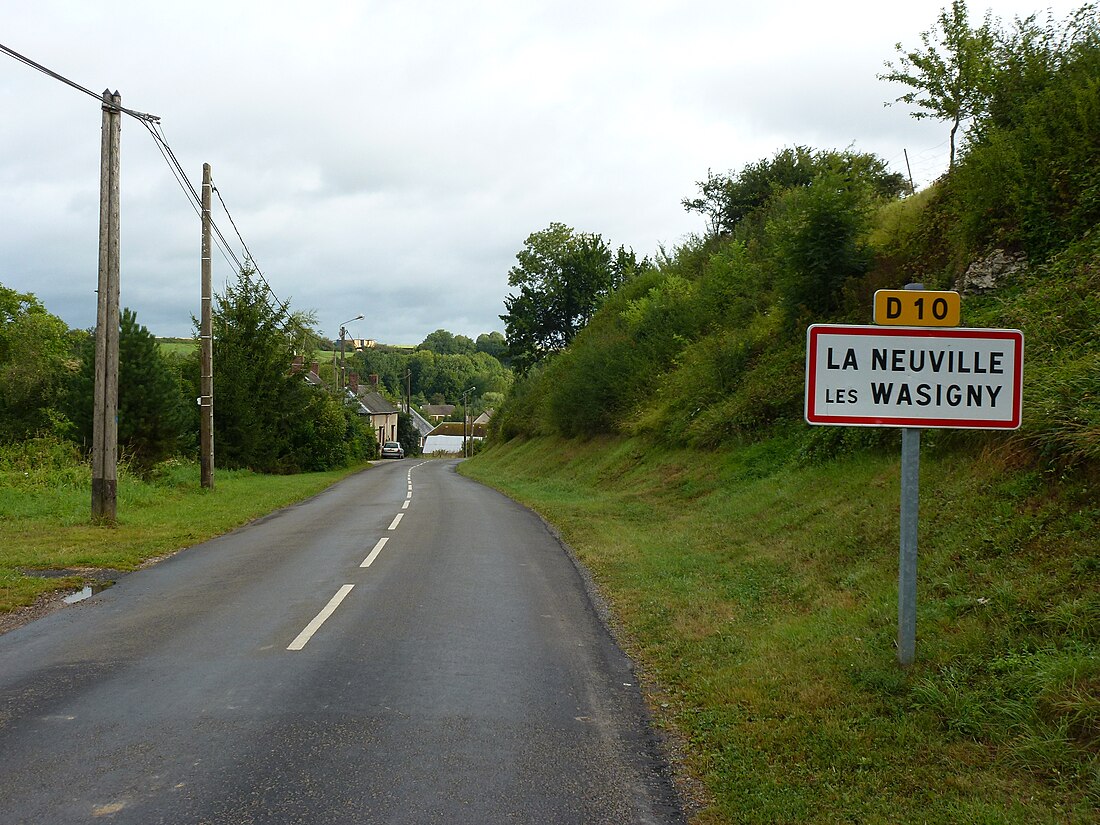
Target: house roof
{"x":376,"y":404}
{"x":422,"y":424}
{"x":484,"y":417}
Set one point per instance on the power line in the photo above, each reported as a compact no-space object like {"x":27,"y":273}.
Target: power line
{"x":153,"y":125}
{"x":248,"y":253}
{"x":51,"y":73}
{"x":185,"y":185}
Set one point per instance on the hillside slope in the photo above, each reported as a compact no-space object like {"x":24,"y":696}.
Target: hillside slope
{"x":758,"y":594}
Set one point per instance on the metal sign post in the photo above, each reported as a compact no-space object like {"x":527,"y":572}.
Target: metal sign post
{"x":913,"y":377}
{"x":907,"y":553}
{"x":907,"y":557}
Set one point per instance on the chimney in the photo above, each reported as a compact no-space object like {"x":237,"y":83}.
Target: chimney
{"x":353,"y":380}
{"x":313,"y":367}
{"x":297,"y":364}
{"x":374,"y":379}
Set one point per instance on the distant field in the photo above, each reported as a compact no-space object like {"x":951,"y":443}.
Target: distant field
{"x":185,"y":346}
{"x":177,"y":346}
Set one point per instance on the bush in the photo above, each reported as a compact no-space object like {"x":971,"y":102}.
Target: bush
{"x":44,"y":462}
{"x":818,"y":236}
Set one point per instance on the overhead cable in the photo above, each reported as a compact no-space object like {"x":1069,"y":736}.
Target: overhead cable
{"x":153,"y":125}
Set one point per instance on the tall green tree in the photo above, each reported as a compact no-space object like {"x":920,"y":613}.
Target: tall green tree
{"x":950,"y":74}
{"x":152,"y":410}
{"x":256,"y":397}
{"x":562,"y":278}
{"x":36,"y":363}
{"x":266,"y":417}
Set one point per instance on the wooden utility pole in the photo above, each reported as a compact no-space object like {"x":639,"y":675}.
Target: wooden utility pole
{"x":206,"y":343}
{"x":105,"y":412}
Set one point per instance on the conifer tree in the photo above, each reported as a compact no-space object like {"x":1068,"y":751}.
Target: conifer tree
{"x":152,"y":418}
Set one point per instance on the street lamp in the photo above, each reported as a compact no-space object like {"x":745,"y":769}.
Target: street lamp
{"x":342,"y":332}
{"x":465,"y":418}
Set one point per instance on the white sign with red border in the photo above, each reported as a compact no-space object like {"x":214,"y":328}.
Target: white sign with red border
{"x":872,"y":376}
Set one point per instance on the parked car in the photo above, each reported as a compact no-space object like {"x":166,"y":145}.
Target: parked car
{"x":393,"y":449}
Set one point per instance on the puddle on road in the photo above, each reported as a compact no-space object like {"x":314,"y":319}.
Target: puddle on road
{"x":96,"y":580}
{"x":87,"y":592}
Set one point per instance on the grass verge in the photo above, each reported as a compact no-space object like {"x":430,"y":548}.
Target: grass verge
{"x":45,"y":508}
{"x":759,"y":597}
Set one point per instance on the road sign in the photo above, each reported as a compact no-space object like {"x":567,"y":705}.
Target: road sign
{"x":866,"y":376}
{"x":917,"y":308}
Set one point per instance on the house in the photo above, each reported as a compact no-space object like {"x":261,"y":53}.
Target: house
{"x":437,"y":412}
{"x":423,"y":426}
{"x":447,"y":437}
{"x":485,"y":417}
{"x":369,"y":404}
{"x":383,"y":414}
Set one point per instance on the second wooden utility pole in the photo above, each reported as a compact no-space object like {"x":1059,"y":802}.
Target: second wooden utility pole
{"x":105,"y":408}
{"x":206,"y":343}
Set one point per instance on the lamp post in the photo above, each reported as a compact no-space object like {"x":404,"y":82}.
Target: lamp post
{"x":340,"y":383}
{"x":465,"y":418}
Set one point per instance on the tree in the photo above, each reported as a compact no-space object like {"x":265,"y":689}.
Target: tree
{"x":726,"y":200}
{"x":494,"y":344}
{"x":1030,"y":177}
{"x":818,"y":237}
{"x":304,"y":339}
{"x":152,"y":413}
{"x":950,"y":75}
{"x":266,"y":418}
{"x":35,"y":365}
{"x":562,"y":279}
{"x":408,"y":435}
{"x":442,"y":342}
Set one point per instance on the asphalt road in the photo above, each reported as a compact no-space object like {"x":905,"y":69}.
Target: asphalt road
{"x":303,"y":670}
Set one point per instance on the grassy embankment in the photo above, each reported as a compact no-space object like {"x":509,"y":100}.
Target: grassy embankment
{"x":759,"y":596}
{"x":45,"y":504}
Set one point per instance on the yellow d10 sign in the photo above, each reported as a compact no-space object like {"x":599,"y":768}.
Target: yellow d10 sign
{"x":917,"y":308}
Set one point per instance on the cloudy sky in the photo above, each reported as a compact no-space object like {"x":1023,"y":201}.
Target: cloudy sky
{"x":389,"y":157}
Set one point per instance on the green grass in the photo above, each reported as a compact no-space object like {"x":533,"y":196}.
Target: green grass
{"x":759,"y":597}
{"x":45,"y":514}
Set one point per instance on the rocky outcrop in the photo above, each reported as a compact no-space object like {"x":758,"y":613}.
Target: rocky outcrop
{"x":986,"y":274}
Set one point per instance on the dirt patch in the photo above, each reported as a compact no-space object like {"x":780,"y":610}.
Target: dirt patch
{"x":47,"y":603}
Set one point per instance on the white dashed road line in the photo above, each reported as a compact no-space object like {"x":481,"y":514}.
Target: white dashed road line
{"x":369,"y":560}
{"x":330,"y":608}
{"x":320,"y":618}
